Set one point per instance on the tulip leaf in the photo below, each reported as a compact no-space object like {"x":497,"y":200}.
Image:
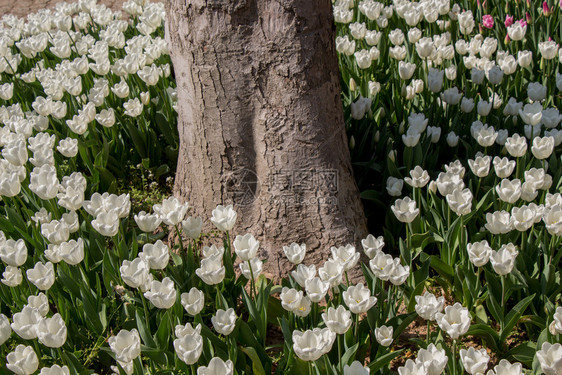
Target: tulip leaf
{"x":441,"y":267}
{"x":480,"y":314}
{"x":6,"y":225}
{"x":533,"y":319}
{"x":513,"y":317}
{"x":166,"y":128}
{"x":417,"y":291}
{"x":523,"y":353}
{"x":246,"y":337}
{"x":257,"y":367}
{"x":144,"y":331}
{"x":137,"y":139}
{"x":400,"y":323}
{"x":347,"y":358}
{"x":91,"y":312}
{"x":72,"y":362}
{"x":486,"y":333}
{"x":495,"y":309}
{"x":383,"y":360}
{"x":162,"y":335}
{"x":254,"y":311}
{"x":274,"y":310}
{"x":421,"y":240}
{"x":287,"y":335}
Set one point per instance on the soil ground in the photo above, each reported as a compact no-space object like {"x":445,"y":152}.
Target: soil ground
{"x":22,"y":8}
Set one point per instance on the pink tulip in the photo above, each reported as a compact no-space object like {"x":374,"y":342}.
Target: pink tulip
{"x":545,"y":9}
{"x":509,"y":20}
{"x":488,"y":21}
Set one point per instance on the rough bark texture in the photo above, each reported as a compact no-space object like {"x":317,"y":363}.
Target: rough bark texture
{"x":261,"y":123}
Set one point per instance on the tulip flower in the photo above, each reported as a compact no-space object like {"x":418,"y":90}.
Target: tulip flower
{"x":474,"y":361}
{"x":224,"y":321}
{"x":433,"y":359}
{"x":337,"y":320}
{"x":312,"y":344}
{"x":224,"y":218}
{"x":162,"y":294}
{"x":372,"y":245}
{"x":455,"y":321}
{"x":358,"y":298}
{"x":405,"y":210}
{"x":125,"y":345}
{"x":157,"y":255}
{"x":42,"y":275}
{"x":295,"y":252}
{"x":217,"y":366}
{"x":193,"y":302}
{"x":22,"y":361}
{"x":427,"y":305}
{"x":383,"y":334}
{"x":51,"y":332}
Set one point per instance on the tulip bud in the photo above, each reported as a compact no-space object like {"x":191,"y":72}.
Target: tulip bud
{"x":377,"y":136}
{"x":433,"y":187}
{"x":546,"y":11}
{"x":352,"y":85}
{"x":352,"y":142}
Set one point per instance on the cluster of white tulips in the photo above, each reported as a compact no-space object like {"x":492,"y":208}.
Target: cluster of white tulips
{"x":474,"y":88}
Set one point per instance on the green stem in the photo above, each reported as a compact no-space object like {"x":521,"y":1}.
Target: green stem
{"x":340,"y":353}
{"x":145,"y":308}
{"x":327,"y":364}
{"x":357,"y":327}
{"x":503,"y":302}
{"x":61,"y":358}
{"x":219,"y":296}
{"x":178,"y":232}
{"x":454,"y":368}
{"x":252,"y":281}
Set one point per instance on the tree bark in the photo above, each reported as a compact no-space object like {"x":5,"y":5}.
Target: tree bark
{"x":261,"y":123}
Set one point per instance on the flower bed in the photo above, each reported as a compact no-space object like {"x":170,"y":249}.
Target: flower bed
{"x":456,"y":104}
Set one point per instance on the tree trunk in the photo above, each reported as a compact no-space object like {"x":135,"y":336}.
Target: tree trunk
{"x":261,"y":123}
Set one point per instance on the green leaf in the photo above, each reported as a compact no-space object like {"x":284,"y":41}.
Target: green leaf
{"x":441,"y":267}
{"x":421,"y":240}
{"x":166,"y":128}
{"x":91,"y":313}
{"x":257,"y":367}
{"x":400,"y":322}
{"x":486,"y":333}
{"x":349,"y":355}
{"x":254,"y":313}
{"x":513,"y":317}
{"x":523,"y":353}
{"x":495,"y":309}
{"x":480,"y":313}
{"x":383,"y":360}
{"x":144,"y":332}
{"x":164,"y":330}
